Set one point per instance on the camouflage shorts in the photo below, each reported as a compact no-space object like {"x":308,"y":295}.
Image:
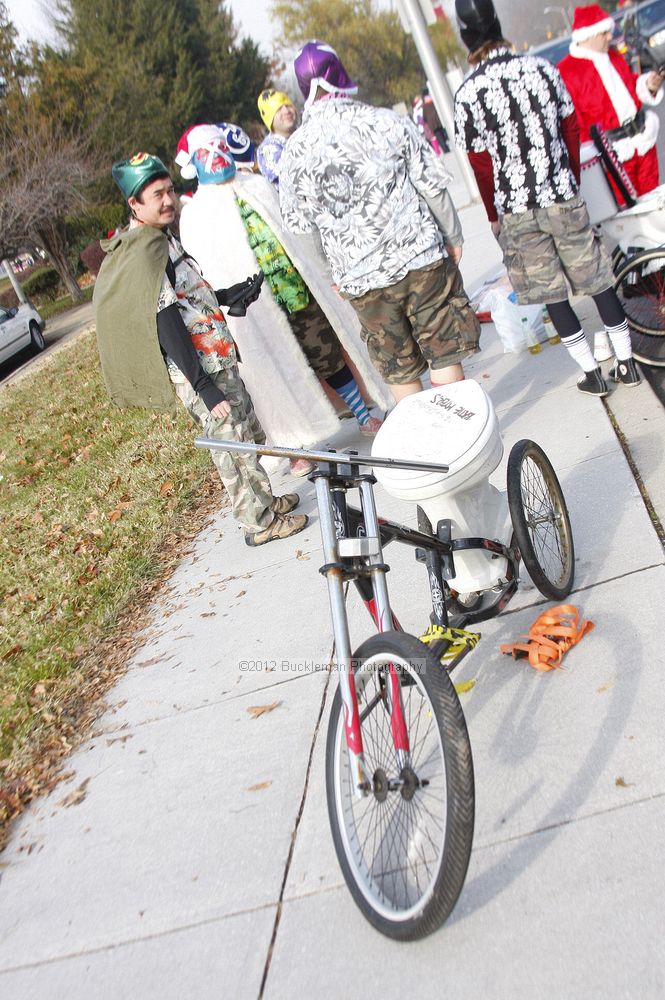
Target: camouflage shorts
{"x":423,"y":320}
{"x":245,"y":479}
{"x":317,"y":339}
{"x":545,"y":246}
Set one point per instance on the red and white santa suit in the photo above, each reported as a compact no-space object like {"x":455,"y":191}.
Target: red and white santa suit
{"x":607,"y":93}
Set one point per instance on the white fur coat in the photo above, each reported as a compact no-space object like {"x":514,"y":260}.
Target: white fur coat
{"x":287,"y":395}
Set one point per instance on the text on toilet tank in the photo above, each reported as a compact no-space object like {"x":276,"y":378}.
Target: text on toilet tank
{"x":449,"y":404}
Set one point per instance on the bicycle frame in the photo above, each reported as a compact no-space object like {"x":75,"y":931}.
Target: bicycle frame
{"x":353,"y":540}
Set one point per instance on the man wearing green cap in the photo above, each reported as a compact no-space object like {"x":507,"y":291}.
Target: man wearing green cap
{"x":159,"y":328}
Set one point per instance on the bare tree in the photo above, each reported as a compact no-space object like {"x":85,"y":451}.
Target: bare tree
{"x":44,"y":174}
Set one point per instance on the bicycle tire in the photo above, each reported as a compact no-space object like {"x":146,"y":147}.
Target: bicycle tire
{"x":642,"y":295}
{"x":647,"y":349}
{"x":540,"y":520}
{"x":404,"y":860}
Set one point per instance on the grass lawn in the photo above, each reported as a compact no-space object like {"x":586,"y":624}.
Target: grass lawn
{"x":95,"y":503}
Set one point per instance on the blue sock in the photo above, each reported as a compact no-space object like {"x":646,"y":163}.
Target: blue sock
{"x":344,"y":383}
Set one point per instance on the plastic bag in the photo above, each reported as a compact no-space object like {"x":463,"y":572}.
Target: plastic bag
{"x":520,"y":328}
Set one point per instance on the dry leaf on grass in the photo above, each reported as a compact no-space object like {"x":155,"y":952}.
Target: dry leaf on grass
{"x":256,"y":710}
{"x":260,"y":786}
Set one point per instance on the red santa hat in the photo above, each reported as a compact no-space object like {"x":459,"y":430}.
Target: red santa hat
{"x":589,"y":21}
{"x":196,"y":137}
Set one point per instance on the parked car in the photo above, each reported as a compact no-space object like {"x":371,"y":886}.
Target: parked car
{"x":553,"y":51}
{"x":644,"y":30}
{"x":20,"y":327}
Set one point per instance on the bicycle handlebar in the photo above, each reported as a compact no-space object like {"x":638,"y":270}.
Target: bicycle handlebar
{"x":338,"y":457}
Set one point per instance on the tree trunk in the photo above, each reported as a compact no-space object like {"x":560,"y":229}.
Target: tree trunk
{"x":51,"y":237}
{"x":15,"y":283}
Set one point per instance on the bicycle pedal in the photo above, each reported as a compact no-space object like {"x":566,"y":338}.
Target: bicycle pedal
{"x":459,"y":640}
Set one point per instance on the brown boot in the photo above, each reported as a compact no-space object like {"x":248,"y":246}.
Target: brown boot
{"x":285,"y":504}
{"x":283,"y":525}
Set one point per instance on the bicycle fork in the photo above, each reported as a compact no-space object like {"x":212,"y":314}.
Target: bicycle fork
{"x":337,"y":547}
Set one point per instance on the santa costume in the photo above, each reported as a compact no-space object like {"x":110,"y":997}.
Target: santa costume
{"x":608,"y":94}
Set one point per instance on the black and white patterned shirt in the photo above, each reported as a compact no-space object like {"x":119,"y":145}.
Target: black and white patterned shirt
{"x":366,"y":180}
{"x":512,"y":107}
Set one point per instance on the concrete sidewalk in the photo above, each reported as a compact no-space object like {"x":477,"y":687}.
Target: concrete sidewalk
{"x":194,"y":858}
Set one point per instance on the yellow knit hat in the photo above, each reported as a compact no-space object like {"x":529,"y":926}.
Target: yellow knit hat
{"x":269,"y":103}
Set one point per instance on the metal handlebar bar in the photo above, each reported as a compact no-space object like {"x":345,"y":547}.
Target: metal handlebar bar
{"x":338,"y":457}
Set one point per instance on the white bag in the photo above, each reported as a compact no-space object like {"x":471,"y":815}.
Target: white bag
{"x":520,"y":328}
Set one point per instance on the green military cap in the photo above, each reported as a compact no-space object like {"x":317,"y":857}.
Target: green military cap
{"x":132,"y":175}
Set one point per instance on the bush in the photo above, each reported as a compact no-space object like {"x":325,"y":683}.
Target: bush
{"x":44,"y":283}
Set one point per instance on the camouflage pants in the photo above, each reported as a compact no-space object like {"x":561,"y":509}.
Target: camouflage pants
{"x":543,"y":247}
{"x":245,"y":479}
{"x":424,"y":319}
{"x":317,"y":339}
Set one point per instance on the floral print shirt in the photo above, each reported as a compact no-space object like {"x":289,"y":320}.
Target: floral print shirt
{"x":366,"y":180}
{"x":200,"y":311}
{"x":511,"y":106}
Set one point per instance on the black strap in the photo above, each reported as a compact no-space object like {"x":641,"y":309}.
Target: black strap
{"x":613,"y":167}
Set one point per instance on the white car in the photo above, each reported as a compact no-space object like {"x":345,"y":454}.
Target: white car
{"x":20,"y":327}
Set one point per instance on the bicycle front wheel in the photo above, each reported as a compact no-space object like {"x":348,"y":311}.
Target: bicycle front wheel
{"x":640,"y":285}
{"x":403,"y":847}
{"x":540,"y":520}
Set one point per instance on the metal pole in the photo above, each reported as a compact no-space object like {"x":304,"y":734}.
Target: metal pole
{"x":15,"y":283}
{"x":438,"y":88}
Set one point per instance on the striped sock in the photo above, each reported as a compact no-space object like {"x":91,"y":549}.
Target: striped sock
{"x":344,"y":383}
{"x":578,"y":347}
{"x":620,"y":338}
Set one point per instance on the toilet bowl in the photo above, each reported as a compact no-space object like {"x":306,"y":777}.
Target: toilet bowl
{"x":453,"y":425}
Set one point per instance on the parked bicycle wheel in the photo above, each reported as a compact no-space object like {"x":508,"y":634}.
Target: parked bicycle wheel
{"x":404,"y":847}
{"x":540,"y":520}
{"x":640,"y":284}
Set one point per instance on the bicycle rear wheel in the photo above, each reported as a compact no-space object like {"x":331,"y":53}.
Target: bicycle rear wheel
{"x":640,"y":285}
{"x":404,"y":847}
{"x":540,"y":520}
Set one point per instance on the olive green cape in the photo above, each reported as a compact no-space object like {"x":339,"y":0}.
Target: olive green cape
{"x":125,"y":301}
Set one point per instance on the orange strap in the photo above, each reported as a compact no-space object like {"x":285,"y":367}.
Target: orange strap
{"x":552,"y":634}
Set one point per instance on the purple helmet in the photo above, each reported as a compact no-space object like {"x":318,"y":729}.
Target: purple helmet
{"x":318,"y":65}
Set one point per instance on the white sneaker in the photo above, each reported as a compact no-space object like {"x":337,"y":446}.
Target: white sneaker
{"x":602,"y":349}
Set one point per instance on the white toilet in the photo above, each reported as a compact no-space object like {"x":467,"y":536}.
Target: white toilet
{"x":453,"y":425}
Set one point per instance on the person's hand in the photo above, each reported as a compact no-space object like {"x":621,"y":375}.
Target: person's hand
{"x":455,"y":253}
{"x":221,"y":411}
{"x":496,"y":228}
{"x":655,"y":80}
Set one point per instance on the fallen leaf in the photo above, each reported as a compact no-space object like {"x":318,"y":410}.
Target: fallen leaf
{"x":149,"y":663}
{"x":39,"y":690}
{"x":620,"y":783}
{"x":208,"y":614}
{"x":300,"y":554}
{"x":607,"y":686}
{"x":75,"y":797}
{"x":13,"y":651}
{"x":464,"y":686}
{"x":256,"y":710}
{"x":114,"y":515}
{"x":260,"y":786}
{"x":165,"y":488}
{"x":241,"y":594}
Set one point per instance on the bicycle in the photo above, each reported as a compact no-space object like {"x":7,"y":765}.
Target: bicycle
{"x":399,"y":767}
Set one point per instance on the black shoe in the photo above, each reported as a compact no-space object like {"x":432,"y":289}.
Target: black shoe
{"x":593,"y":383}
{"x":625,"y":372}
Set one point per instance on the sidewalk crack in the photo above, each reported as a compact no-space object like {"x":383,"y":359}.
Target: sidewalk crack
{"x":294,"y":834}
